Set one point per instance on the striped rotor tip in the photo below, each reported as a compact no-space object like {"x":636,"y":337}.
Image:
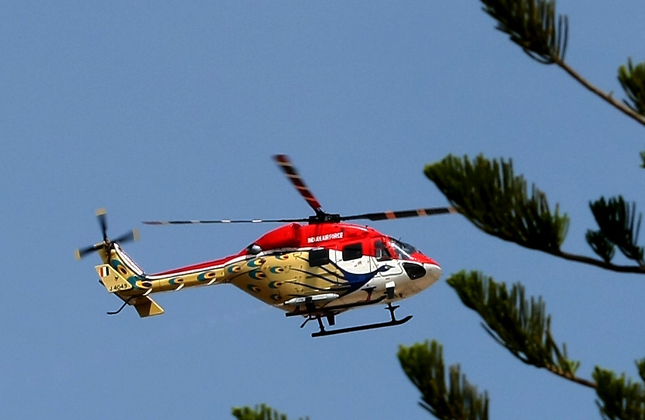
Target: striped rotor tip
{"x":401,"y":214}
{"x":290,"y":171}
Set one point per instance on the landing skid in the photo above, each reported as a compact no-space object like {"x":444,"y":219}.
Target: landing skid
{"x":323,"y":332}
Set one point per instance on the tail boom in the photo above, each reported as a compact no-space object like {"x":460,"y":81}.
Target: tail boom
{"x":121,"y":276}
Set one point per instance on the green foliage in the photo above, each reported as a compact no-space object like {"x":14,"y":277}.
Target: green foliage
{"x":519,"y":325}
{"x":640,"y":364}
{"x":423,"y":364}
{"x":602,"y":246}
{"x":632,"y":79}
{"x":533,"y":25}
{"x":260,"y":412}
{"x":496,"y":201}
{"x":620,"y":398}
{"x":618,"y":226}
{"x":491,"y":197}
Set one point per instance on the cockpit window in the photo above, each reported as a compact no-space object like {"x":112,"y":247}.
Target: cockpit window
{"x":403,"y":250}
{"x":381,"y":252}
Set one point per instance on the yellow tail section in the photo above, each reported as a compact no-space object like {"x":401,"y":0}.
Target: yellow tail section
{"x":124,"y":279}
{"x":147,"y":307}
{"x":112,"y":279}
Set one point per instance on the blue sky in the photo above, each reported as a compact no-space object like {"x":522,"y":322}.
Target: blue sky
{"x":174,"y":110}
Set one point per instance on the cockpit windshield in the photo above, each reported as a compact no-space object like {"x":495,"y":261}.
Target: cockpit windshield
{"x":403,"y":250}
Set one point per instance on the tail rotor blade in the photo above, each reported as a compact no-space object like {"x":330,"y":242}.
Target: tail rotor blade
{"x":106,"y":243}
{"x":82,"y":252}
{"x":133,"y":235}
{"x":100,"y":214}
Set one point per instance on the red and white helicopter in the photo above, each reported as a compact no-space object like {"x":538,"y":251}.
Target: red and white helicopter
{"x":316,"y":267}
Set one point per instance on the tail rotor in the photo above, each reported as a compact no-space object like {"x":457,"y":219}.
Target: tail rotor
{"x":133,"y":235}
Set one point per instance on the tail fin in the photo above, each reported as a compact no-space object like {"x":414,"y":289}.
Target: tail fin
{"x":112,"y":281}
{"x":119,"y":273}
{"x":122,"y":277}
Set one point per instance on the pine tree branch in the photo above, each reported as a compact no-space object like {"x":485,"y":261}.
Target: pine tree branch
{"x":619,"y":228}
{"x":543,"y":35}
{"x":619,"y":397}
{"x":519,"y":325}
{"x":602,"y":94}
{"x":634,"y":269}
{"x":260,"y":412}
{"x":488,"y":193}
{"x":424,"y":366}
{"x":532,"y":25}
{"x":495,"y":200}
{"x":632,"y":80}
{"x":576,"y":379}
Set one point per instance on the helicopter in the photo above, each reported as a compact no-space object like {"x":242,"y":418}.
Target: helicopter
{"x":316,"y":267}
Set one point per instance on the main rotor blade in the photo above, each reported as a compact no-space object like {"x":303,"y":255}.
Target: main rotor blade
{"x":401,"y":214}
{"x":289,"y":170}
{"x":223,"y":221}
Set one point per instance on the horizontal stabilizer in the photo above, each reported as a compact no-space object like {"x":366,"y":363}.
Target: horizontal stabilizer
{"x":111,"y":279}
{"x":147,"y":307}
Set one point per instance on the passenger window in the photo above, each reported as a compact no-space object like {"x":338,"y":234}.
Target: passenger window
{"x":352,"y":251}
{"x":318,"y":257}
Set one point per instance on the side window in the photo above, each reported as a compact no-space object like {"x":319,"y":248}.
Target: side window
{"x":318,"y":257}
{"x":352,"y":251}
{"x":380,"y":251}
